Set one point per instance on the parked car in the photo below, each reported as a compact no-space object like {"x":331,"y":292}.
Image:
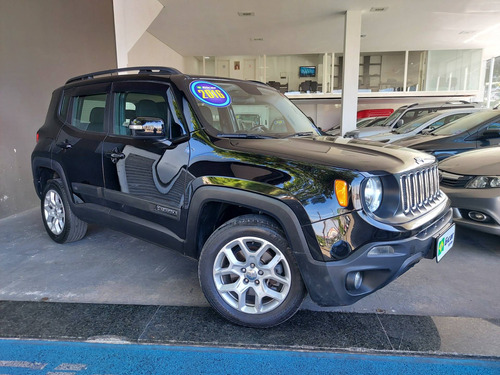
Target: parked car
{"x":231,"y":173}
{"x":361,"y":123}
{"x":405,"y":114}
{"x":472,"y":182}
{"x":477,"y":130}
{"x":424,"y":123}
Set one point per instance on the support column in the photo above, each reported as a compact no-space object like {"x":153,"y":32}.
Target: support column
{"x":405,"y":75}
{"x":324,"y":83}
{"x":350,"y":81}
{"x":490,"y":82}
{"x":332,"y":73}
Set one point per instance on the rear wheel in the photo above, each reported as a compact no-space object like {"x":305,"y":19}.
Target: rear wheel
{"x":248,"y":274}
{"x":59,"y":221}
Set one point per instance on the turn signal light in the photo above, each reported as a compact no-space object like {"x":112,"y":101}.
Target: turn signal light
{"x":341,"y":192}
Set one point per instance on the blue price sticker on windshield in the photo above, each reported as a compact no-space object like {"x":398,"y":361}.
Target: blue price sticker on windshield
{"x":210,"y":93}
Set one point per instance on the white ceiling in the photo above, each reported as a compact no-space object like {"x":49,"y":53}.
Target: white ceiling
{"x":213,"y":27}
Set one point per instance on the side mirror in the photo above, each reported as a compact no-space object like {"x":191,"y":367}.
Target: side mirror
{"x":399,"y":123}
{"x":147,"y":127}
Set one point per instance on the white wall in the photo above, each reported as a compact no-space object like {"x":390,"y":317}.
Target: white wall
{"x":42,"y":44}
{"x":150,"y":51}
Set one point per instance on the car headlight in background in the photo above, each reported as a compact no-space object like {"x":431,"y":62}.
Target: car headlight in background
{"x":373,"y":193}
{"x":484,"y":182}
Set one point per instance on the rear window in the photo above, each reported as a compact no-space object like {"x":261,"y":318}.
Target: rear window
{"x":87,"y":112}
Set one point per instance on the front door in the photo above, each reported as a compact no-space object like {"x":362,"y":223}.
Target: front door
{"x":145,"y":169}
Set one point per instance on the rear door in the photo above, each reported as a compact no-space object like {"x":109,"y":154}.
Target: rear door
{"x":145,"y":169}
{"x":79,"y":143}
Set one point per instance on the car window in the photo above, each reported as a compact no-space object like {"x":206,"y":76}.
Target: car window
{"x":466,"y":123}
{"x":131,"y":105}
{"x":87,"y":112}
{"x":232,"y":108}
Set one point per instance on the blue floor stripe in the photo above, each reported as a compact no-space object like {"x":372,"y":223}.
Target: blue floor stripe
{"x":65,"y":358}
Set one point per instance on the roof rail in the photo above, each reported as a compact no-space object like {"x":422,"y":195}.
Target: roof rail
{"x":140,"y":69}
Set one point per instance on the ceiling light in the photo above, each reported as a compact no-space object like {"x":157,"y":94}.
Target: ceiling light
{"x":246,"y":14}
{"x":378,"y":9}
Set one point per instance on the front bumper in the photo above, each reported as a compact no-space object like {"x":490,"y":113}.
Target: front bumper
{"x":327,"y":281}
{"x":485,"y":201}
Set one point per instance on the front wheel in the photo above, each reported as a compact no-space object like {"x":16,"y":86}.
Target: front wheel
{"x":248,"y":274}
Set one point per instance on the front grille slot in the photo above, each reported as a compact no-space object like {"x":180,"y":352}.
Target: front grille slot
{"x":419,"y":189}
{"x":454,"y":180}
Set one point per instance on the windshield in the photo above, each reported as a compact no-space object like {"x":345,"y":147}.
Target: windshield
{"x":246,"y":109}
{"x":389,"y":120}
{"x":465,"y":123}
{"x":412,"y":125}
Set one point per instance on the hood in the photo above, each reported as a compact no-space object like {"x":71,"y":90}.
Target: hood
{"x":483,"y":162}
{"x":421,"y":142}
{"x":370,"y":130}
{"x":386,"y":137}
{"x":337,"y":152}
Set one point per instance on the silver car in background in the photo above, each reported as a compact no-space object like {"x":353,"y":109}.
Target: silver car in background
{"x":472,"y":181}
{"x":427,"y":123}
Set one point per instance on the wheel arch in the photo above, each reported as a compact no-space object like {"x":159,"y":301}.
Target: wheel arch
{"x":45,"y":169}
{"x":208,"y":202}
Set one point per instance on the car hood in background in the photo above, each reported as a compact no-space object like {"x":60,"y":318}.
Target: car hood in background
{"x":483,"y":162}
{"x":371,"y":130}
{"x":337,"y":152}
{"x":422,"y":142}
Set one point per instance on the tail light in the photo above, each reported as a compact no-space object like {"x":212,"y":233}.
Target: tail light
{"x":37,"y":137}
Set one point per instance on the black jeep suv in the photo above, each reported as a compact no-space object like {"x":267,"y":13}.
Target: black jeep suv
{"x":230,"y":172}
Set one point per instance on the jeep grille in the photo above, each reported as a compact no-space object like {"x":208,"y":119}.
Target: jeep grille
{"x":420,"y":190}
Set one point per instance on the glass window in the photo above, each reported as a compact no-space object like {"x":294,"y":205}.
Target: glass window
{"x":131,"y":105}
{"x":254,"y":110}
{"x":88,"y":112}
{"x":465,"y":123}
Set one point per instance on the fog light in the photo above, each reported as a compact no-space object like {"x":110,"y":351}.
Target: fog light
{"x":381,"y":250}
{"x":477,"y":216}
{"x":354,"y":280}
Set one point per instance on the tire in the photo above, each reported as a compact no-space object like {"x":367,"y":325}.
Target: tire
{"x":59,"y":221}
{"x":248,"y":274}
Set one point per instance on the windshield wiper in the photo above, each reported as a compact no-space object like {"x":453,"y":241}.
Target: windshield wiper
{"x":299,"y":134}
{"x":243,"y":135}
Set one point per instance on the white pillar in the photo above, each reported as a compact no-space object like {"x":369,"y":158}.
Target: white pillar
{"x":332,"y":76}
{"x":325,"y":73}
{"x":405,"y":76}
{"x":490,"y":80}
{"x":350,"y":81}
{"x":132,"y":19}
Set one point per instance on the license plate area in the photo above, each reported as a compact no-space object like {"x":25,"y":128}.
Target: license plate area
{"x":444,"y":243}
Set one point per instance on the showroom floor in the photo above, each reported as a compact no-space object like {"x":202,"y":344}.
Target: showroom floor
{"x":114,"y":288}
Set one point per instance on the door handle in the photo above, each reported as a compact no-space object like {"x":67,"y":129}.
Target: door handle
{"x":115,"y":156}
{"x":64,"y":145}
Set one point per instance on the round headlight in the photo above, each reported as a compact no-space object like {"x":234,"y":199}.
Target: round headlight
{"x":373,"y":193}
